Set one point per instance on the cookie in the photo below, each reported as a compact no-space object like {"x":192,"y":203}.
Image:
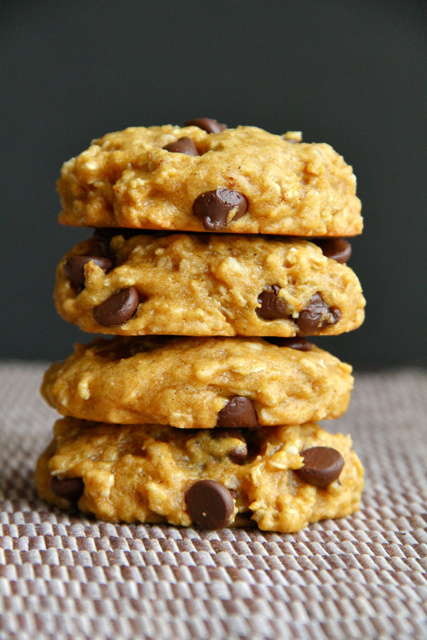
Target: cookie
{"x":207,"y":285}
{"x":242,"y":180}
{"x":282,"y":478}
{"x":199,"y":382}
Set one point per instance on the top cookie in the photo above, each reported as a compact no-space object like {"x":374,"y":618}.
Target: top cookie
{"x":242,"y":180}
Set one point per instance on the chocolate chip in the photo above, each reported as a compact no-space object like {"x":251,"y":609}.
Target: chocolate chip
{"x":74,"y":268}
{"x":118,"y":308}
{"x":272,"y":307}
{"x":301,"y":344}
{"x":335,"y":248}
{"x":255,"y":443}
{"x":322,"y":465}
{"x":70,"y":488}
{"x":213,"y":207}
{"x":317,"y":315}
{"x":210,"y":504}
{"x":182,"y":145}
{"x":207,"y":124}
{"x":238,"y":412}
{"x":239,"y":454}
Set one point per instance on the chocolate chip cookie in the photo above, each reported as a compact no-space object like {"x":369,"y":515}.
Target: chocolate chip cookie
{"x":199,"y":382}
{"x":207,"y":285}
{"x":206,"y":178}
{"x":281,"y":478}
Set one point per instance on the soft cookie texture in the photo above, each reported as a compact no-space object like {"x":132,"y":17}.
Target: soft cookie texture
{"x":189,"y":382}
{"x":129,"y":179}
{"x":160,"y":474}
{"x":207,"y":285}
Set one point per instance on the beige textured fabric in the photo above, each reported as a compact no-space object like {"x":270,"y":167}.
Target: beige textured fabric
{"x":365,"y":577}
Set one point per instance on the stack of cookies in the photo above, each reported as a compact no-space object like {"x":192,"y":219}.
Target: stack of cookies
{"x":216,"y":253}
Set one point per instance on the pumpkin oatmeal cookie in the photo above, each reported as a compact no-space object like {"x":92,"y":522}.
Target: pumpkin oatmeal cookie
{"x":207,"y":285}
{"x":242,"y":180}
{"x":281,"y":478}
{"x":199,"y":382}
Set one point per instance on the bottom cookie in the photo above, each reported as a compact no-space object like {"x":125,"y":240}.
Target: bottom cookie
{"x":281,"y":478}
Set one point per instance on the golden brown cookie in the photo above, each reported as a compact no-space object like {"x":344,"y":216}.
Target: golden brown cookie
{"x":199,"y":382}
{"x":282,"y":478}
{"x":242,"y":180}
{"x":207,"y":285}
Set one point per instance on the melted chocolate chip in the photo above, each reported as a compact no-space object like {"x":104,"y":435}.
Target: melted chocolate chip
{"x":322,"y":465}
{"x":317,"y":315}
{"x":118,"y":308}
{"x":182,"y":145}
{"x":70,"y":488}
{"x":209,"y":504}
{"x":239,"y":454}
{"x":301,"y":344}
{"x":335,"y":248}
{"x":238,"y":412}
{"x":213,"y":207}
{"x":272,"y":307}
{"x":74,"y":268}
{"x":207,"y":124}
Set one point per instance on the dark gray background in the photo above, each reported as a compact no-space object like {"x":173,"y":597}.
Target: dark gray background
{"x":353,"y":74}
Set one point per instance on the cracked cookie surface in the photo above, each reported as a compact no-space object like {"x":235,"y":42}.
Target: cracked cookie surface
{"x":128,"y":179}
{"x":139,"y":473}
{"x":188,"y":382}
{"x":210,"y":284}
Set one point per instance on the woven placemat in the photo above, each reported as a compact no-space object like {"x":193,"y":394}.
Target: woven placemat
{"x":362,"y":577}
